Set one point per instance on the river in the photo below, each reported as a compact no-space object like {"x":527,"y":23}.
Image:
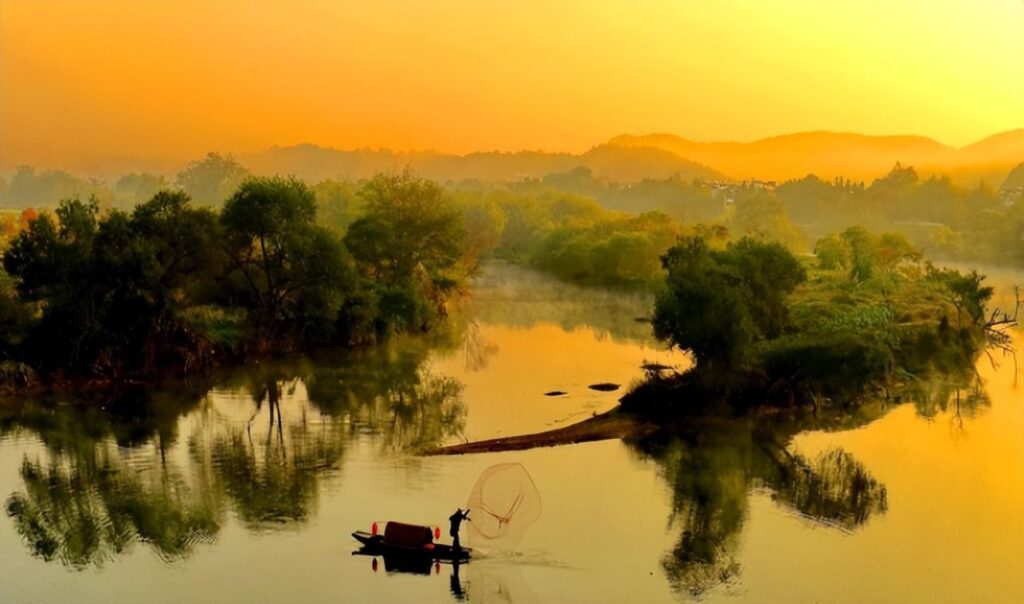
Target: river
{"x":248,"y":487}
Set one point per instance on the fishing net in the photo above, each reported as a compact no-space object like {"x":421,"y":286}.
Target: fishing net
{"x":504,"y":503}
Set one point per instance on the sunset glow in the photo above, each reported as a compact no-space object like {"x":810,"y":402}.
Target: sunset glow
{"x":86,"y":84}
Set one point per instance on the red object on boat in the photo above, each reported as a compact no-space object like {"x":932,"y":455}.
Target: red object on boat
{"x":373,"y":528}
{"x":409,"y":535}
{"x":437,"y":532}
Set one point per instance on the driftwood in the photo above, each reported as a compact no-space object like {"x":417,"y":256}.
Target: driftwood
{"x":607,"y":426}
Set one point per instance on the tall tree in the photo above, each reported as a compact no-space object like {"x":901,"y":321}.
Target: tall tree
{"x":409,"y":223}
{"x":290,"y":269}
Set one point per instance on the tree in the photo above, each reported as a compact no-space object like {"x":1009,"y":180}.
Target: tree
{"x":763,"y":216}
{"x":29,"y":187}
{"x":717,"y":303}
{"x":113,"y":288}
{"x":50,"y":260}
{"x":410,"y":222}
{"x":965,"y":292}
{"x":337,"y":204}
{"x":832,"y":253}
{"x":211,"y":180}
{"x":292,"y":272}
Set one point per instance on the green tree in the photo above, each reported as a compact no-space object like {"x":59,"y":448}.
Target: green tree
{"x":338,"y":204}
{"x":717,"y":303}
{"x":410,"y":222}
{"x":411,"y":244}
{"x":762,"y":216}
{"x":113,"y":288}
{"x":832,"y":253}
{"x":50,"y":260}
{"x":291,"y":272}
{"x":965,"y":292}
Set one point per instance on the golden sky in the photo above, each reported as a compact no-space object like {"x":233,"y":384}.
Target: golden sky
{"x":84,"y":83}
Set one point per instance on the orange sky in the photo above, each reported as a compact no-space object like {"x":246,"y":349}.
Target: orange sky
{"x":85,"y":83}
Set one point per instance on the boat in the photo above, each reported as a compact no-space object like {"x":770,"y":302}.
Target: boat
{"x":408,"y":540}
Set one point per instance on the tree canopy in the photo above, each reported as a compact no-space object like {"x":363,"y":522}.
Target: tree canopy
{"x":716,"y":303}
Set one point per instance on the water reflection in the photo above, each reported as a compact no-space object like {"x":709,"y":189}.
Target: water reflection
{"x":512,"y":296}
{"x":713,"y":466}
{"x":102,"y":481}
{"x":109,"y":473}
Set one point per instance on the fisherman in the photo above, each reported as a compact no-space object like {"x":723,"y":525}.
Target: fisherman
{"x":456,"y":520}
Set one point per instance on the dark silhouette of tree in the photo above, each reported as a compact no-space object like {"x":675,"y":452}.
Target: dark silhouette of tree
{"x":289,"y":269}
{"x":717,"y":302}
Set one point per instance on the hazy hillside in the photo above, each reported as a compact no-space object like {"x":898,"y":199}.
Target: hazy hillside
{"x":616,"y":163}
{"x":830,"y":154}
{"x":1015,"y":179}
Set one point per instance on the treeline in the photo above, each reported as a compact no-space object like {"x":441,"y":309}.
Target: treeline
{"x":114,"y":294}
{"x":946,"y":221}
{"x":207,"y":181}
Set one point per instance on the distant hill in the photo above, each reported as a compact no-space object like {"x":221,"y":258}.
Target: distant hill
{"x":1015,"y":179}
{"x":833,"y":154}
{"x":610,"y":162}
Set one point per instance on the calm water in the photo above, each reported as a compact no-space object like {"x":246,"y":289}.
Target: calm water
{"x":247,"y":489}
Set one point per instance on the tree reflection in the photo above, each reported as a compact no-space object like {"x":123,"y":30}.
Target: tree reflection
{"x":512,"y":296}
{"x":391,"y":395}
{"x":713,"y":464}
{"x":270,"y":473}
{"x":712,"y":470}
{"x":111,"y":472}
{"x":105,"y":483}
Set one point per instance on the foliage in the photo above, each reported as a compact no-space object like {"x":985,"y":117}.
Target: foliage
{"x":337,"y":204}
{"x":617,"y":250}
{"x":763,"y":217}
{"x":716,"y":303}
{"x":287,"y":270}
{"x":868,"y":317}
{"x":211,"y":180}
{"x":31,"y":187}
{"x":965,"y":292}
{"x":170,"y":285}
{"x":411,"y":244}
{"x":110,"y":288}
{"x":865,"y":255}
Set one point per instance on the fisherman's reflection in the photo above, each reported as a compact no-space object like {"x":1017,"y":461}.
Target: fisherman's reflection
{"x":456,"y":584}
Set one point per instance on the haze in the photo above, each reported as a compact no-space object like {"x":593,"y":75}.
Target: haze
{"x":87,"y":85}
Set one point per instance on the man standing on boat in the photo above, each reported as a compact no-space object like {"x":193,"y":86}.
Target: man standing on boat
{"x":456,"y":520}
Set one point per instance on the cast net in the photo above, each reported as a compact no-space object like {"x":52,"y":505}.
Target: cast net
{"x":504,"y":503}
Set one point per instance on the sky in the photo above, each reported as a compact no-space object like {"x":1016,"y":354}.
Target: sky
{"x":87,"y":83}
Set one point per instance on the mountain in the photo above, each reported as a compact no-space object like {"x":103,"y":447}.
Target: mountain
{"x":610,"y":162}
{"x":834,"y":154}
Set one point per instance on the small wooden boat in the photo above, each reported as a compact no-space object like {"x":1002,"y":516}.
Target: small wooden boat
{"x":408,"y":540}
